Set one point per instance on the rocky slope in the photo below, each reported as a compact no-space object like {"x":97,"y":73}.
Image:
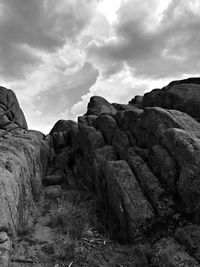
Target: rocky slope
{"x":122,"y":186}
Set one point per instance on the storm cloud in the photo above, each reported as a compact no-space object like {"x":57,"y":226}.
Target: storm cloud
{"x":56,"y":54}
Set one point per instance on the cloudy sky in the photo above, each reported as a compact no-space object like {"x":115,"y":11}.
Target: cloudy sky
{"x":56,"y":54}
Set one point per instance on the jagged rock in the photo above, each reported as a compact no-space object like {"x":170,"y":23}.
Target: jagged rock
{"x":121,"y":142}
{"x":87,"y":120}
{"x":100,"y":106}
{"x":107,"y":125}
{"x":164,"y":167}
{"x":101,"y":156}
{"x":185,"y":149}
{"x":169,"y":253}
{"x":149,"y":183}
{"x":189,"y":236}
{"x":134,"y":212}
{"x":10,"y":111}
{"x":89,"y":139}
{"x":183,"y":95}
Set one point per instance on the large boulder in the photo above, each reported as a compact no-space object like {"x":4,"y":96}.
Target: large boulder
{"x":183,"y":95}
{"x":185,"y":149}
{"x":63,"y":126}
{"x":23,"y":162}
{"x":164,"y":167}
{"x":133,"y":211}
{"x":89,"y":139}
{"x":149,"y":183}
{"x":61,"y":133}
{"x":99,"y":106}
{"x":101,"y":156}
{"x":10,"y":111}
{"x":154,"y":121}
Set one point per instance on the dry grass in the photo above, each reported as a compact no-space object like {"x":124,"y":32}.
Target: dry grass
{"x":75,"y":218}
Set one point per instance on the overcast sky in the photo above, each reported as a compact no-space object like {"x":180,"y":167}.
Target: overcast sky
{"x":56,"y":54}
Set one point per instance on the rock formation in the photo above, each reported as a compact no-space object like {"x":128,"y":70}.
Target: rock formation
{"x":140,"y":160}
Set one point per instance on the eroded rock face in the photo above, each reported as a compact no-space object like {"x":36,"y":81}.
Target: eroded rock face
{"x":11,"y":114}
{"x":142,"y":162}
{"x":23,"y":161}
{"x":134,"y":212}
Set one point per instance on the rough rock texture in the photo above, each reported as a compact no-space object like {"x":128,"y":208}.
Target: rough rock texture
{"x":183,"y":95}
{"x":11,"y":114}
{"x":127,"y":200}
{"x":137,"y":165}
{"x":24,"y":157}
{"x":100,"y":106}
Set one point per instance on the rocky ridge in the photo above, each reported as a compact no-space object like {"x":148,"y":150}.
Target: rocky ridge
{"x":140,"y":161}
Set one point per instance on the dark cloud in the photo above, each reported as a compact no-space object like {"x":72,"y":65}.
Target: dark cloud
{"x":64,"y":95}
{"x":28,"y":27}
{"x":153,"y":46}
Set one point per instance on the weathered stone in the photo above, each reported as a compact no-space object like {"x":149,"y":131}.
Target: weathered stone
{"x":5,"y":252}
{"x":189,"y":236}
{"x":89,"y":139}
{"x":3,"y":237}
{"x":107,"y":125}
{"x":183,"y":95}
{"x":185,"y":149}
{"x":127,"y":119}
{"x":87,"y":120}
{"x":60,"y":139}
{"x":23,"y":161}
{"x":101,"y":156}
{"x":134,"y":212}
{"x":169,"y":253}
{"x":149,"y":183}
{"x":10,"y":111}
{"x":99,"y":106}
{"x":53,"y":192}
{"x":142,"y":153}
{"x":164,"y":167}
{"x":153,"y":123}
{"x":64,"y":126}
{"x":121,"y":142}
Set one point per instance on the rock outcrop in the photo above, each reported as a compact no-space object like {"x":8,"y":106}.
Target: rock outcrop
{"x":140,"y":160}
{"x":23,"y":161}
